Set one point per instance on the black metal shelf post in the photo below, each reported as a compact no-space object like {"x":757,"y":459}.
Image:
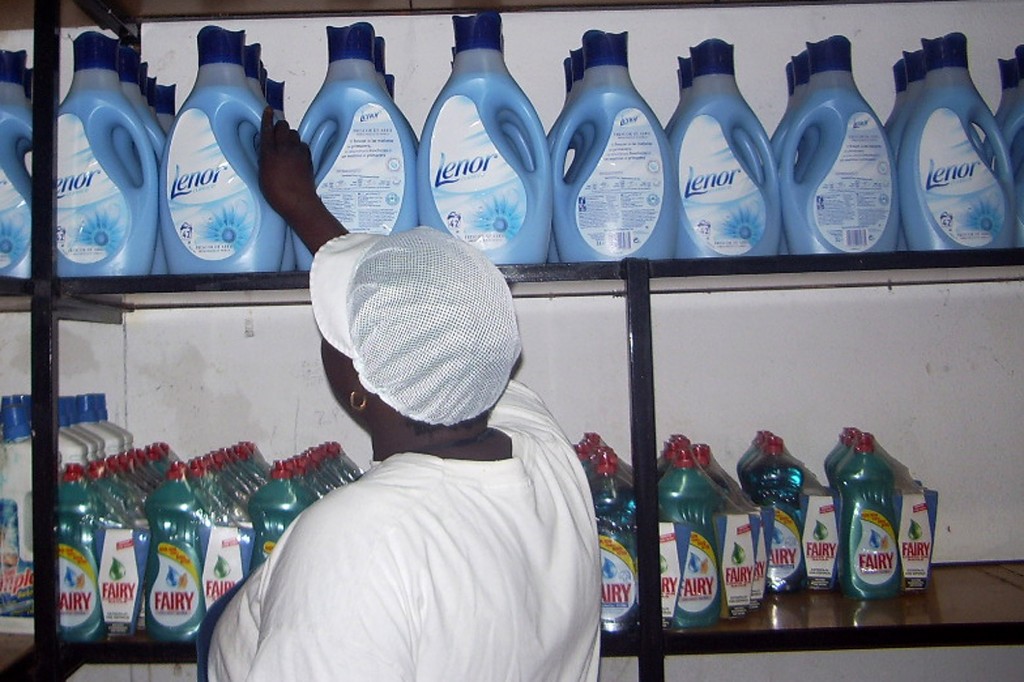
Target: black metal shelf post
{"x":643,"y":447}
{"x":44,"y":316}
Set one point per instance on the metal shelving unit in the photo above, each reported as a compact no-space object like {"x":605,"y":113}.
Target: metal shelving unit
{"x":106,"y":300}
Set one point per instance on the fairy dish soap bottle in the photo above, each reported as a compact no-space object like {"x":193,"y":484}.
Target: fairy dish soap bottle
{"x":689,"y":499}
{"x":483,"y":162}
{"x":363,"y":149}
{"x":868,"y":553}
{"x":775,"y":478}
{"x":215,"y":219}
{"x":15,"y":181}
{"x":78,"y":541}
{"x":175,"y":604}
{"x":615,"y":509}
{"x":956,"y":191}
{"x":617,"y":198}
{"x":836,"y":170}
{"x":107,"y":175}
{"x":728,"y":180}
{"x":272,"y":508}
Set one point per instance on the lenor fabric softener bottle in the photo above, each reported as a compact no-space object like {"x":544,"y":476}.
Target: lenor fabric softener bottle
{"x":363,"y":149}
{"x":868,"y":553}
{"x":617,"y":198}
{"x":215,"y":219}
{"x":844,"y":199}
{"x":79,"y":539}
{"x":15,"y":180}
{"x":483,"y":161}
{"x":956,"y":191}
{"x":175,"y":603}
{"x":728,"y":180}
{"x":107,"y":176}
{"x":1010,"y":118}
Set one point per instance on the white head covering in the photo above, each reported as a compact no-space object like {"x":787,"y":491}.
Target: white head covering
{"x":427,"y":320}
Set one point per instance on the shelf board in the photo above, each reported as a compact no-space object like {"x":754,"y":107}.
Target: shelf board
{"x":966,"y":605}
{"x":576,"y":279}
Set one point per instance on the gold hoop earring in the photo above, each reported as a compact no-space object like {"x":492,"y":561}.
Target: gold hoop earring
{"x":357,"y":403}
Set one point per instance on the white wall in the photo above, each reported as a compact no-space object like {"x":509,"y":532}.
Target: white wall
{"x":933,"y":370}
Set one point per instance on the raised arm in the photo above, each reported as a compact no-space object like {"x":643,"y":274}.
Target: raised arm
{"x":286,"y":179}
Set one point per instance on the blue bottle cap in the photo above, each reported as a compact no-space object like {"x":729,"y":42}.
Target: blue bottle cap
{"x":88,"y":410}
{"x":165,"y":99}
{"x":948,"y":51}
{"x":899,"y":75}
{"x":576,"y":57}
{"x":66,"y":413}
{"x":567,"y":71}
{"x":12,"y":66}
{"x":712,"y":56}
{"x":790,"y":78}
{"x":1009,"y":76}
{"x":378,"y":53}
{"x":1019,"y":54}
{"x":275,"y":94}
{"x":604,"y":49}
{"x":252,"y":60}
{"x":831,"y":54}
{"x":220,"y":46}
{"x":17,"y":421}
{"x":93,"y":50}
{"x":477,"y":31}
{"x":128,"y":64}
{"x":685,"y":72}
{"x":350,"y":42}
{"x":151,"y":91}
{"x":913,"y":62}
{"x":801,"y":68}
{"x":389,"y":83}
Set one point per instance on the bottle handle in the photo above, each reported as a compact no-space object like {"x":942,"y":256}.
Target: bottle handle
{"x":994,"y":149}
{"x":12,"y":158}
{"x":125,"y":163}
{"x":755,"y":157}
{"x":322,"y":138}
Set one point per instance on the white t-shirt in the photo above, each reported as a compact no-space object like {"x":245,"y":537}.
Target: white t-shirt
{"x":433,"y":570}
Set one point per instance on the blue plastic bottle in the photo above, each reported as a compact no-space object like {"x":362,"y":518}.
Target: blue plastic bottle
{"x":107,"y":177}
{"x":728,"y":180}
{"x":215,"y":219}
{"x":868,"y":553}
{"x":15,"y":181}
{"x":483,"y":166}
{"x":363,"y":148}
{"x":164,"y":102}
{"x":684,"y":77}
{"x":175,"y":603}
{"x":844,"y":199}
{"x":618,"y":197}
{"x":798,"y":72}
{"x":774,"y":478}
{"x":956,"y":192}
{"x":78,"y":550}
{"x":1010,"y":119}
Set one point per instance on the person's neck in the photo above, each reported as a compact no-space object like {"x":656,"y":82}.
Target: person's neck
{"x":480,"y":444}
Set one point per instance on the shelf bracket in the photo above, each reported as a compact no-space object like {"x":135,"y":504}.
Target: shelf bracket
{"x":109,"y":15}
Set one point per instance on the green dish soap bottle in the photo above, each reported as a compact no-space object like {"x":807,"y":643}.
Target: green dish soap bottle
{"x":78,"y":542}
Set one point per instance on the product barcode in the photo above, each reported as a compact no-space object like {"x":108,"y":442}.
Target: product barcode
{"x":858,"y":237}
{"x":619,"y":240}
